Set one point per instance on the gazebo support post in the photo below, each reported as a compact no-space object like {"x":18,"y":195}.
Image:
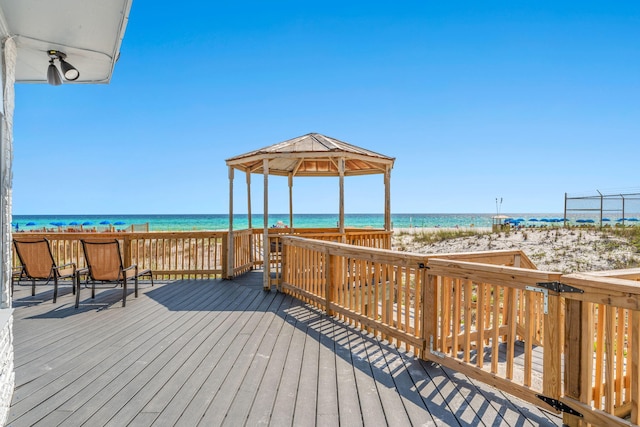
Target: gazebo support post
{"x":341,"y":218}
{"x":230,"y":249}
{"x":249,"y":222}
{"x":266,"y":246}
{"x":387,"y":199}
{"x":290,"y":202}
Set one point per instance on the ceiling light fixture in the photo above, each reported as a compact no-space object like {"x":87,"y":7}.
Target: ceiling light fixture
{"x":53,"y":75}
{"x":69,"y":72}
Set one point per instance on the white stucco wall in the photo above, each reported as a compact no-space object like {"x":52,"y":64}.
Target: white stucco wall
{"x":7,"y":376}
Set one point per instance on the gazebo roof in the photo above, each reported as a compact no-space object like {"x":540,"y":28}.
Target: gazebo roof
{"x":312,"y":155}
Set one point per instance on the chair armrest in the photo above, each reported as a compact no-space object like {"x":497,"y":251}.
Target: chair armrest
{"x":66,"y":270}
{"x":131,"y":271}
{"x":67,"y":265}
{"x":84,"y":270}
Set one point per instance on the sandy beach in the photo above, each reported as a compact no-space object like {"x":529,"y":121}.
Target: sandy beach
{"x":552,"y":249}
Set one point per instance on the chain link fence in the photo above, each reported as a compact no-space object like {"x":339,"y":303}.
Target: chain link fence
{"x":608,"y":208}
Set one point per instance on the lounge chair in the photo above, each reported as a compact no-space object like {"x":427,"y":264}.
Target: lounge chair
{"x":104,"y":264}
{"x":37,"y":264}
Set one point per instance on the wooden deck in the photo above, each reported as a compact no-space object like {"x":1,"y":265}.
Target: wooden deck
{"x":212,"y":352}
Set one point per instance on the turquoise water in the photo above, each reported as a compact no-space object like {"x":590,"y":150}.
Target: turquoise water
{"x":221,"y":221}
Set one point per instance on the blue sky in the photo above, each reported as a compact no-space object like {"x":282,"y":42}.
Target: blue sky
{"x":475,"y":100}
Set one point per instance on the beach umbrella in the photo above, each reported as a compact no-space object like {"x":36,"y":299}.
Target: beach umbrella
{"x":606,"y":219}
{"x":533,"y":219}
{"x":104,"y":223}
{"x":119,"y":223}
{"x":87,"y":223}
{"x":581,"y":220}
{"x":590,"y":221}
{"x":30,"y":224}
{"x":57,"y":223}
{"x":632,"y":219}
{"x":74,"y":223}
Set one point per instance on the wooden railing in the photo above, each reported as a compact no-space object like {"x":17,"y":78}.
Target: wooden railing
{"x":602,"y":349}
{"x":194,"y":254}
{"x":243,"y":255}
{"x":170,"y":255}
{"x":371,"y":238}
{"x":548,"y":338}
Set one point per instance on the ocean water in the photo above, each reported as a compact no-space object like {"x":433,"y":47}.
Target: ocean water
{"x":221,"y":221}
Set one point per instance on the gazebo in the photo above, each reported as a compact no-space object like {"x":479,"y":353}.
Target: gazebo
{"x":308,"y":155}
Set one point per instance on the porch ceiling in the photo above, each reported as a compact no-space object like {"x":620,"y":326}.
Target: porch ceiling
{"x":89,"y":32}
{"x":312,"y":155}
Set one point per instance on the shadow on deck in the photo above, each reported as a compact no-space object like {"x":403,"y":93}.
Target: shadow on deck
{"x":213,"y":352}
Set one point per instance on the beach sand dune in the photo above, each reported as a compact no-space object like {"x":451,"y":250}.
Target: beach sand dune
{"x":554,"y":249}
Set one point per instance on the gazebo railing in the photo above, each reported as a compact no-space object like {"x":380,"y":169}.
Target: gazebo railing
{"x":370,"y":238}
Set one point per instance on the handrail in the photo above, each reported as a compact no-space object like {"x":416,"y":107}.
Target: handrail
{"x":171,"y":255}
{"x":460,"y":309}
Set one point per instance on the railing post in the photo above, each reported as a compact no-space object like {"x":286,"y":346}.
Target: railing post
{"x":225,"y":255}
{"x":283,"y":264}
{"x":330,"y":280}
{"x":551,"y":381}
{"x":126,"y":240}
{"x":429,"y":312}
{"x":574,"y":357}
{"x":635,"y":366}
{"x":252,"y":243}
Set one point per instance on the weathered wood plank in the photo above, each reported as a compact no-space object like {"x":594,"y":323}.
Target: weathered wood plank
{"x":263,"y":352}
{"x":167,"y":402}
{"x":283,"y":401}
{"x":80,"y":371}
{"x":307,"y":399}
{"x":348,"y":401}
{"x":327,"y":409}
{"x":169,"y":380}
{"x":117,"y":386}
{"x":395,"y":414}
{"x":372,"y":412}
{"x":209,"y":398}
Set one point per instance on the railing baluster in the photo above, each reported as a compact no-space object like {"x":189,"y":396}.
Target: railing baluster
{"x":495,"y":340}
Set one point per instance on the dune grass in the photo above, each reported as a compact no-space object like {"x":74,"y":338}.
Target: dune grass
{"x":428,"y":237}
{"x":631,"y":234}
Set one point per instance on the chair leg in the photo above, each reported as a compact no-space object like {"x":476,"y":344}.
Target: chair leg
{"x":33,"y":288}
{"x":55,"y":288}
{"x":136,"y":286}
{"x":124,"y":292}
{"x":77,"y":285}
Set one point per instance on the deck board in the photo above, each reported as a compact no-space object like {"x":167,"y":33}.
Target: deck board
{"x":213,"y":352}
